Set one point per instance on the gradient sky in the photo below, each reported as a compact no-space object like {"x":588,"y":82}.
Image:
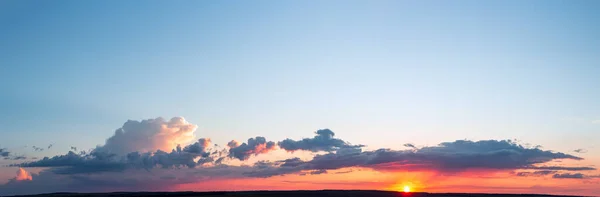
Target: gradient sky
{"x":378,"y":73}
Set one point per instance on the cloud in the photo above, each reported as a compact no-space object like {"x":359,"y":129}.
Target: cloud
{"x":565,"y":168}
{"x":596,"y":121}
{"x":118,"y":165}
{"x":4,"y":153}
{"x":149,"y":135}
{"x":37,"y":149}
{"x":409,"y":145}
{"x":23,"y":175}
{"x":200,"y":147}
{"x":254,"y":146}
{"x":318,"y":172}
{"x":580,"y":151}
{"x":568,"y":176}
{"x":97,"y":161}
{"x":20,"y":157}
{"x":460,"y":155}
{"x":536,"y":173}
{"x":454,"y":156}
{"x":233,"y":144}
{"x":159,"y":179}
{"x":323,"y":141}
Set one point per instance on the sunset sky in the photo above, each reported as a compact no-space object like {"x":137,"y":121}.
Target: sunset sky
{"x":440,"y":96}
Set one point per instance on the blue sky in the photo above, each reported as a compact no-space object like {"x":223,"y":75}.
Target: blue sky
{"x":380,"y":73}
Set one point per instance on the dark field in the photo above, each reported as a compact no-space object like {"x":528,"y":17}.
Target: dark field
{"x":324,"y":193}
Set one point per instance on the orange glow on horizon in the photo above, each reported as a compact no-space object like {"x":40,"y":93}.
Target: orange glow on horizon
{"x":406,"y":189}
{"x":406,"y":183}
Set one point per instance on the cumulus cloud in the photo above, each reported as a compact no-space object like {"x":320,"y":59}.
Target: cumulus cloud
{"x":233,"y":144}
{"x":200,"y":147}
{"x":149,"y":135}
{"x":323,"y":141}
{"x":137,"y":145}
{"x":23,"y":175}
{"x":254,"y":146}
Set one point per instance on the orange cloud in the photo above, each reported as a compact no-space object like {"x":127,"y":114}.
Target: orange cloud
{"x":23,"y":175}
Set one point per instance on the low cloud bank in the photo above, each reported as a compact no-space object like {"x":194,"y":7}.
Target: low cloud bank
{"x":152,"y":154}
{"x":460,"y":155}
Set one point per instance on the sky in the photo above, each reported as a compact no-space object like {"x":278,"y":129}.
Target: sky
{"x":442,"y":96}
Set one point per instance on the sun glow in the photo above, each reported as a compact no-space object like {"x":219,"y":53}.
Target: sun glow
{"x":406,"y":188}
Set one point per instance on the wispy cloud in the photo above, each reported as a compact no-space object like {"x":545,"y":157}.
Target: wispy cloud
{"x":569,"y":176}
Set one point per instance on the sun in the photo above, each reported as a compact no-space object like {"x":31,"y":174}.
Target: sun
{"x":406,"y":188}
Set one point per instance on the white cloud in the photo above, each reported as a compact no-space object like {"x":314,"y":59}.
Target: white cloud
{"x":150,"y":135}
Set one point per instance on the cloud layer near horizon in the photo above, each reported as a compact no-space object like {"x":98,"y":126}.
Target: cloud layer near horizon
{"x":153,"y":153}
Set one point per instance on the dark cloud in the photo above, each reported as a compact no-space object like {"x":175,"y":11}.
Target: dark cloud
{"x":73,"y":163}
{"x":200,"y":147}
{"x":318,"y":172}
{"x":565,"y":168}
{"x":21,"y":157}
{"x":568,"y":176}
{"x":344,"y":172}
{"x":4,"y":153}
{"x":254,"y":146}
{"x":409,"y":145}
{"x":455,"y":156}
{"x":37,"y":149}
{"x":98,"y":161}
{"x":128,"y":180}
{"x":536,"y":173}
{"x":323,"y":141}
